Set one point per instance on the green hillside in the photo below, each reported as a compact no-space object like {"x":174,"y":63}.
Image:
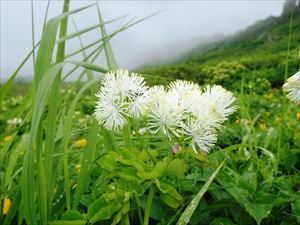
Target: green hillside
{"x":256,"y":55}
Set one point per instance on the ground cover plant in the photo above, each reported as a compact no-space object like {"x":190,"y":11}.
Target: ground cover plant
{"x":108,"y":149}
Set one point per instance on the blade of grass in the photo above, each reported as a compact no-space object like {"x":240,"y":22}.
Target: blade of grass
{"x":110,"y":59}
{"x":46,"y":14}
{"x":188,"y":212}
{"x":5,"y":87}
{"x":86,"y":162}
{"x":43,"y":62}
{"x":84,"y":71}
{"x":78,"y":33}
{"x":124,"y":27}
{"x":28,"y":182}
{"x":96,"y":52}
{"x":67,"y":129}
{"x":53,"y":118}
{"x":89,"y":73}
{"x":32,"y":34}
{"x":44,"y":56}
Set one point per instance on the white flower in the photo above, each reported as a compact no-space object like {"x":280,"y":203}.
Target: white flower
{"x":143,"y":131}
{"x":164,"y":115}
{"x":122,"y":95}
{"x":138,"y":105}
{"x":201,"y":136}
{"x":204,"y":111}
{"x":14,"y":121}
{"x":185,"y":93}
{"x":222,"y":101}
{"x":110,"y":113}
{"x":292,"y":86}
{"x":185,"y":112}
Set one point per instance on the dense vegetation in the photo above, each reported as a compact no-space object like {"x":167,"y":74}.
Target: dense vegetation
{"x":58,"y":166}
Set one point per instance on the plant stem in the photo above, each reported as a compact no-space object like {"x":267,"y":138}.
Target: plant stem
{"x":127,"y":136}
{"x":148,"y":205}
{"x":151,"y":157}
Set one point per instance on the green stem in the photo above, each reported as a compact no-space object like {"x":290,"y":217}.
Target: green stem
{"x":151,"y":157}
{"x":148,"y":205}
{"x":288,"y":46}
{"x":138,"y":207}
{"x":109,"y":140}
{"x":127,"y":136}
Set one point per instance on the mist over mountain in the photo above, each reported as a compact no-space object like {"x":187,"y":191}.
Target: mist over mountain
{"x":261,"y":31}
{"x":257,"y":52}
{"x":173,"y":52}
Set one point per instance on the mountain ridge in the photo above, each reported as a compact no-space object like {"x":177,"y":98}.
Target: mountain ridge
{"x":260,"y":49}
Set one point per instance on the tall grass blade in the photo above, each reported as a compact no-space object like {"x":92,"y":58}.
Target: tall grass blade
{"x":5,"y":87}
{"x":89,"y":73}
{"x":110,"y":59}
{"x":45,"y":53}
{"x":86,"y":162}
{"x":32,"y":34}
{"x":78,"y":33}
{"x":188,"y":212}
{"x":53,"y":119}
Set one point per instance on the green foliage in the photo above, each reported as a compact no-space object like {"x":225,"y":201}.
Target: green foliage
{"x":59,"y":167}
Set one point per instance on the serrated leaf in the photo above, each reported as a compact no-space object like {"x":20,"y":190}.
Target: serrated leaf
{"x":177,"y":168}
{"x":108,"y":161}
{"x":258,"y":211}
{"x":106,"y":213}
{"x":169,"y":194}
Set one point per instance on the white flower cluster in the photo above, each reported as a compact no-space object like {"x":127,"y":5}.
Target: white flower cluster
{"x":14,"y":121}
{"x":180,"y":111}
{"x":122,"y":95}
{"x":292,"y":86}
{"x":183,"y":111}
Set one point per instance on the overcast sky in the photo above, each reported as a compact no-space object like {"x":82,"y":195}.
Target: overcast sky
{"x":179,"y":22}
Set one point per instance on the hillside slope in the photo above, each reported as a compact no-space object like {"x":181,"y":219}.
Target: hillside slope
{"x":258,"y":53}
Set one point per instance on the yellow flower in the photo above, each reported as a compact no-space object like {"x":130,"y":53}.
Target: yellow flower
{"x":277,"y":119}
{"x":7,"y":138}
{"x":78,"y":167}
{"x":267,"y":113}
{"x":237,"y":121}
{"x":298,"y":115}
{"x":263,"y":126}
{"x":268,"y":96}
{"x":6,"y":206}
{"x":80,"y":143}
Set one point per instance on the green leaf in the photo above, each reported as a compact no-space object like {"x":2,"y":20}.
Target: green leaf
{"x":177,"y":167}
{"x":62,"y":222}
{"x":296,"y":208}
{"x":106,"y":212}
{"x":223,"y":221}
{"x":108,"y":161}
{"x":169,"y":194}
{"x":258,"y":211}
{"x":95,"y":207}
{"x":72,"y":215}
